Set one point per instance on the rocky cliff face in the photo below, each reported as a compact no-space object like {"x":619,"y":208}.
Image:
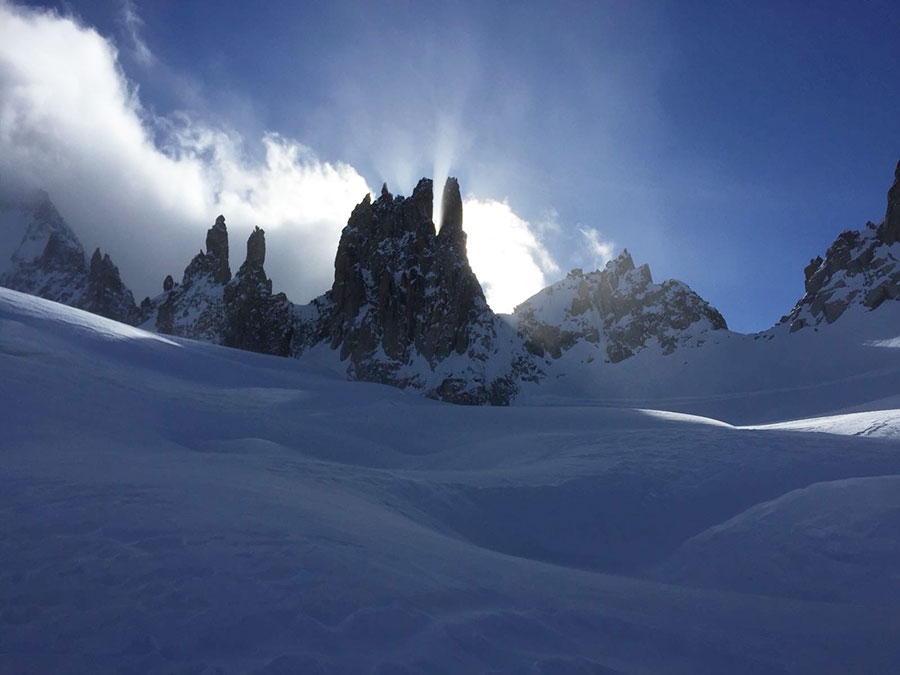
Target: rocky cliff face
{"x":859,"y":268}
{"x":50,"y":263}
{"x":105,"y":294}
{"x":211,"y":305}
{"x":195,"y":308}
{"x":256,"y":319}
{"x":405,"y":307}
{"x":619,"y":310}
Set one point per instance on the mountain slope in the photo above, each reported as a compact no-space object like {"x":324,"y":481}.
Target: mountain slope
{"x":860,"y":268}
{"x":173,"y":506}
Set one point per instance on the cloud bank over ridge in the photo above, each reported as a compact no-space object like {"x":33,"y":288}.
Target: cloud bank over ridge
{"x":145,"y":186}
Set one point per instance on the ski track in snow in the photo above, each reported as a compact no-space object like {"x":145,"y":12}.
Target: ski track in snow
{"x":172,"y":506}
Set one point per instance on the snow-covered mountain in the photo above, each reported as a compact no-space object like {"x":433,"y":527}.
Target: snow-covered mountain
{"x":169,"y":505}
{"x":50,"y":263}
{"x":664,"y":495}
{"x":619,"y":311}
{"x":195,"y":308}
{"x":406,"y":309}
{"x":861,"y":268}
{"x":210,"y":304}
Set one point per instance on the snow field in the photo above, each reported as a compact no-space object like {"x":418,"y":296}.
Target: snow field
{"x":172,"y":506}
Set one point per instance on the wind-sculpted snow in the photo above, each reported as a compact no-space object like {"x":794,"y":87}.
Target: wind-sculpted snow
{"x":837,"y":541}
{"x":174,"y":506}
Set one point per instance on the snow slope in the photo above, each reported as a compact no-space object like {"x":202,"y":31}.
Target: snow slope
{"x":769,"y":377}
{"x":174,"y":506}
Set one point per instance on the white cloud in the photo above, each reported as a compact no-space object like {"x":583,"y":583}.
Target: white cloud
{"x":597,"y":252}
{"x":146,"y":188}
{"x":505,"y":253}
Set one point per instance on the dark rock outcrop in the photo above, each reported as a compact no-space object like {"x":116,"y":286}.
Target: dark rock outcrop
{"x":405,"y":307}
{"x":195,"y":308}
{"x":861,"y":267}
{"x":618,"y":311}
{"x":50,"y":263}
{"x":105,"y":294}
{"x":889,"y":230}
{"x":256,"y":319}
{"x":217,"y":252}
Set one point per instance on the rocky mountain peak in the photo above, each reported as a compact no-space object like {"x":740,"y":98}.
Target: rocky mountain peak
{"x":403,"y":301}
{"x":621,"y":270}
{"x":256,"y":319}
{"x":217,"y":251}
{"x":861,"y":267}
{"x":50,"y":262}
{"x":889,"y":230}
{"x":621,"y":264}
{"x":48,"y":236}
{"x":617,"y":311}
{"x":256,"y":248}
{"x":195,"y":307}
{"x":105,"y":294}
{"x":451,"y":214}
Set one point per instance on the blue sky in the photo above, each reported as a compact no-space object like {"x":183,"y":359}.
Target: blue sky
{"x":725,"y":144}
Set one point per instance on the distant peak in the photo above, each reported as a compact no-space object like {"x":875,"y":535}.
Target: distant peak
{"x":622,"y":263}
{"x":45,"y":212}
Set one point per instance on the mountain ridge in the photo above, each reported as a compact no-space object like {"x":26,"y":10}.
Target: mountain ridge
{"x":406,"y":309}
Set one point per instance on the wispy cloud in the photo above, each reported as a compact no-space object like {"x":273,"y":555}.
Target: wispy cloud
{"x":597,"y":251}
{"x":134,"y":24}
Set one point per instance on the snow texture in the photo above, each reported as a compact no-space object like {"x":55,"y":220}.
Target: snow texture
{"x":175,"y":506}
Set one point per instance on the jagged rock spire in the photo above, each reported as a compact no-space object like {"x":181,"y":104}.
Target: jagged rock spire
{"x":422,"y":200}
{"x":451,"y":213}
{"x":889,"y":231}
{"x":256,"y":247}
{"x":255,"y":318}
{"x":217,"y":248}
{"x":404,"y":295}
{"x":105,"y":294}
